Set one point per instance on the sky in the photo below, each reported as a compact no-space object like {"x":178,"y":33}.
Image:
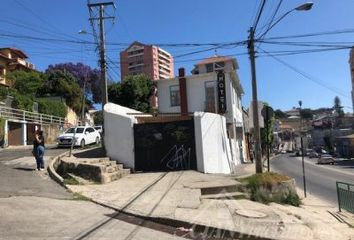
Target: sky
{"x":47,"y":31}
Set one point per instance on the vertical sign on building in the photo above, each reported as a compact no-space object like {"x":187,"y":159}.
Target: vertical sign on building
{"x":221,"y":92}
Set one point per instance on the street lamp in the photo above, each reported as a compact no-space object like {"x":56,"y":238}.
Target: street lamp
{"x":251,"y":51}
{"x":302,"y":151}
{"x":303,"y":7}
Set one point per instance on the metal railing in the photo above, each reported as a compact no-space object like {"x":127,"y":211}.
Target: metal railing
{"x":26,"y":116}
{"x":345,"y":193}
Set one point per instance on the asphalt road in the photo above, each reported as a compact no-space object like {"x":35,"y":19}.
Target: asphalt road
{"x":320,"y":179}
{"x":19,"y":178}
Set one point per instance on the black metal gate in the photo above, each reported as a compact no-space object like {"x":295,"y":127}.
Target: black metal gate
{"x":165,"y":146}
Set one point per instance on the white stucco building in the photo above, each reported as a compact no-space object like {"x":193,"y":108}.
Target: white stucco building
{"x":200,"y":93}
{"x":199,"y":124}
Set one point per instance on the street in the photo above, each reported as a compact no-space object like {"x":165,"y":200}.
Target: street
{"x":320,"y":179}
{"x":33,"y":206}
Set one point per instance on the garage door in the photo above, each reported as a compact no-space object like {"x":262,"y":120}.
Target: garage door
{"x":15,"y":133}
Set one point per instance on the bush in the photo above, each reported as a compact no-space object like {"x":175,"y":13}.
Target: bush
{"x":265,"y":188}
{"x":52,"y":107}
{"x":22,"y":102}
{"x":3,"y":92}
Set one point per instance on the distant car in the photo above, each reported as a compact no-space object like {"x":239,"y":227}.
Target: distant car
{"x":326,"y":159}
{"x":99,"y":128}
{"x":83,"y":136}
{"x":313,"y":154}
{"x":306,"y":152}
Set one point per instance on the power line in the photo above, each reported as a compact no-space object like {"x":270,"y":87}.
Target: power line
{"x":259,"y":13}
{"x":269,"y":24}
{"x":308,"y":44}
{"x":335,"y":32}
{"x":42,"y":20}
{"x":307,"y":76}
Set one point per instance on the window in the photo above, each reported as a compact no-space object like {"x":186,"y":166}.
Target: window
{"x":79,"y":130}
{"x":174,"y":96}
{"x":209,"y":67}
{"x":90,"y":130}
{"x":219,"y":65}
{"x":135,"y":52}
{"x":210,"y":96}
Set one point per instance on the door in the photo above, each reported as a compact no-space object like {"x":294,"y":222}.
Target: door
{"x":167,"y":146}
{"x":15,"y":133}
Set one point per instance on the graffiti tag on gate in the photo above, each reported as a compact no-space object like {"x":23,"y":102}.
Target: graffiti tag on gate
{"x":177,"y":158}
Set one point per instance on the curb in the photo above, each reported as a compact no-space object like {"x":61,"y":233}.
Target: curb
{"x":52,"y":172}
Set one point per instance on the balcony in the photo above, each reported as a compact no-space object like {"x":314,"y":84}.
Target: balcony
{"x":24,"y":63}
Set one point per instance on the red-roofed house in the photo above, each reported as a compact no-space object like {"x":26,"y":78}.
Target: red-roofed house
{"x":12,"y":59}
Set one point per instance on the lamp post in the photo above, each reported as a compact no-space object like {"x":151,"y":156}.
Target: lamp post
{"x":251,"y":52}
{"x":302,"y":151}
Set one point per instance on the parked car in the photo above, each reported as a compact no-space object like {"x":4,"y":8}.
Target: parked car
{"x":306,"y":152}
{"x":98,"y":128}
{"x":325,"y":159}
{"x":83,"y":136}
{"x":313,"y":154}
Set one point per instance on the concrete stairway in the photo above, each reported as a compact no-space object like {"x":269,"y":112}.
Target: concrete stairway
{"x":101,"y":170}
{"x":219,"y":189}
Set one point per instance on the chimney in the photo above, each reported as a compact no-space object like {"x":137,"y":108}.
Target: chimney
{"x":183,"y":91}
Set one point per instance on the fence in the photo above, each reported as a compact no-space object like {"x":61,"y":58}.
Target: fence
{"x":345,"y":193}
{"x":31,"y":117}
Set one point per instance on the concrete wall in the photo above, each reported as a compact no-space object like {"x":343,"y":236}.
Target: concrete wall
{"x":51,"y":132}
{"x":212,"y":145}
{"x":119,"y":133}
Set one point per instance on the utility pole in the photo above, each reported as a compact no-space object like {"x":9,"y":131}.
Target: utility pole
{"x":302,"y":152}
{"x":100,"y":7}
{"x":256,"y":130}
{"x":83,"y":122}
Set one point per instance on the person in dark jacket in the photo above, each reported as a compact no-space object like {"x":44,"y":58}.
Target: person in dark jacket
{"x":38,"y":149}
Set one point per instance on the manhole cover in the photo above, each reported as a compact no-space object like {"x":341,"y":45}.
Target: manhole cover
{"x":250,"y":214}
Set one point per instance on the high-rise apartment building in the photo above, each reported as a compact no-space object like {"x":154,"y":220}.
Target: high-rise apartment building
{"x":150,"y":60}
{"x":351,"y":64}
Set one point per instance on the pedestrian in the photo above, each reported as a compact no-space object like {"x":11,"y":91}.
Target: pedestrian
{"x":38,"y":149}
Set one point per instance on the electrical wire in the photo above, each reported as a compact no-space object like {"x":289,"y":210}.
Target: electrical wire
{"x":269,"y":24}
{"x":305,"y":75}
{"x":259,"y":14}
{"x":327,"y":33}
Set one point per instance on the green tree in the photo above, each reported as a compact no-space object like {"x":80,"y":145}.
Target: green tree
{"x":306,"y":113}
{"x":135,"y":92}
{"x":98,"y":118}
{"x":26,"y":83}
{"x":63,"y":84}
{"x":278,"y":114}
{"x":267,"y":136}
{"x":338,"y":107}
{"x":51,"y":107}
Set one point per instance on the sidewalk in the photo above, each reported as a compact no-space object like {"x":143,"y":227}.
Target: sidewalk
{"x":171,"y":197}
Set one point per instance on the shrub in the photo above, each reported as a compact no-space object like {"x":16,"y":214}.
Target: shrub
{"x":22,"y":102}
{"x":52,"y":107}
{"x":263,"y":188}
